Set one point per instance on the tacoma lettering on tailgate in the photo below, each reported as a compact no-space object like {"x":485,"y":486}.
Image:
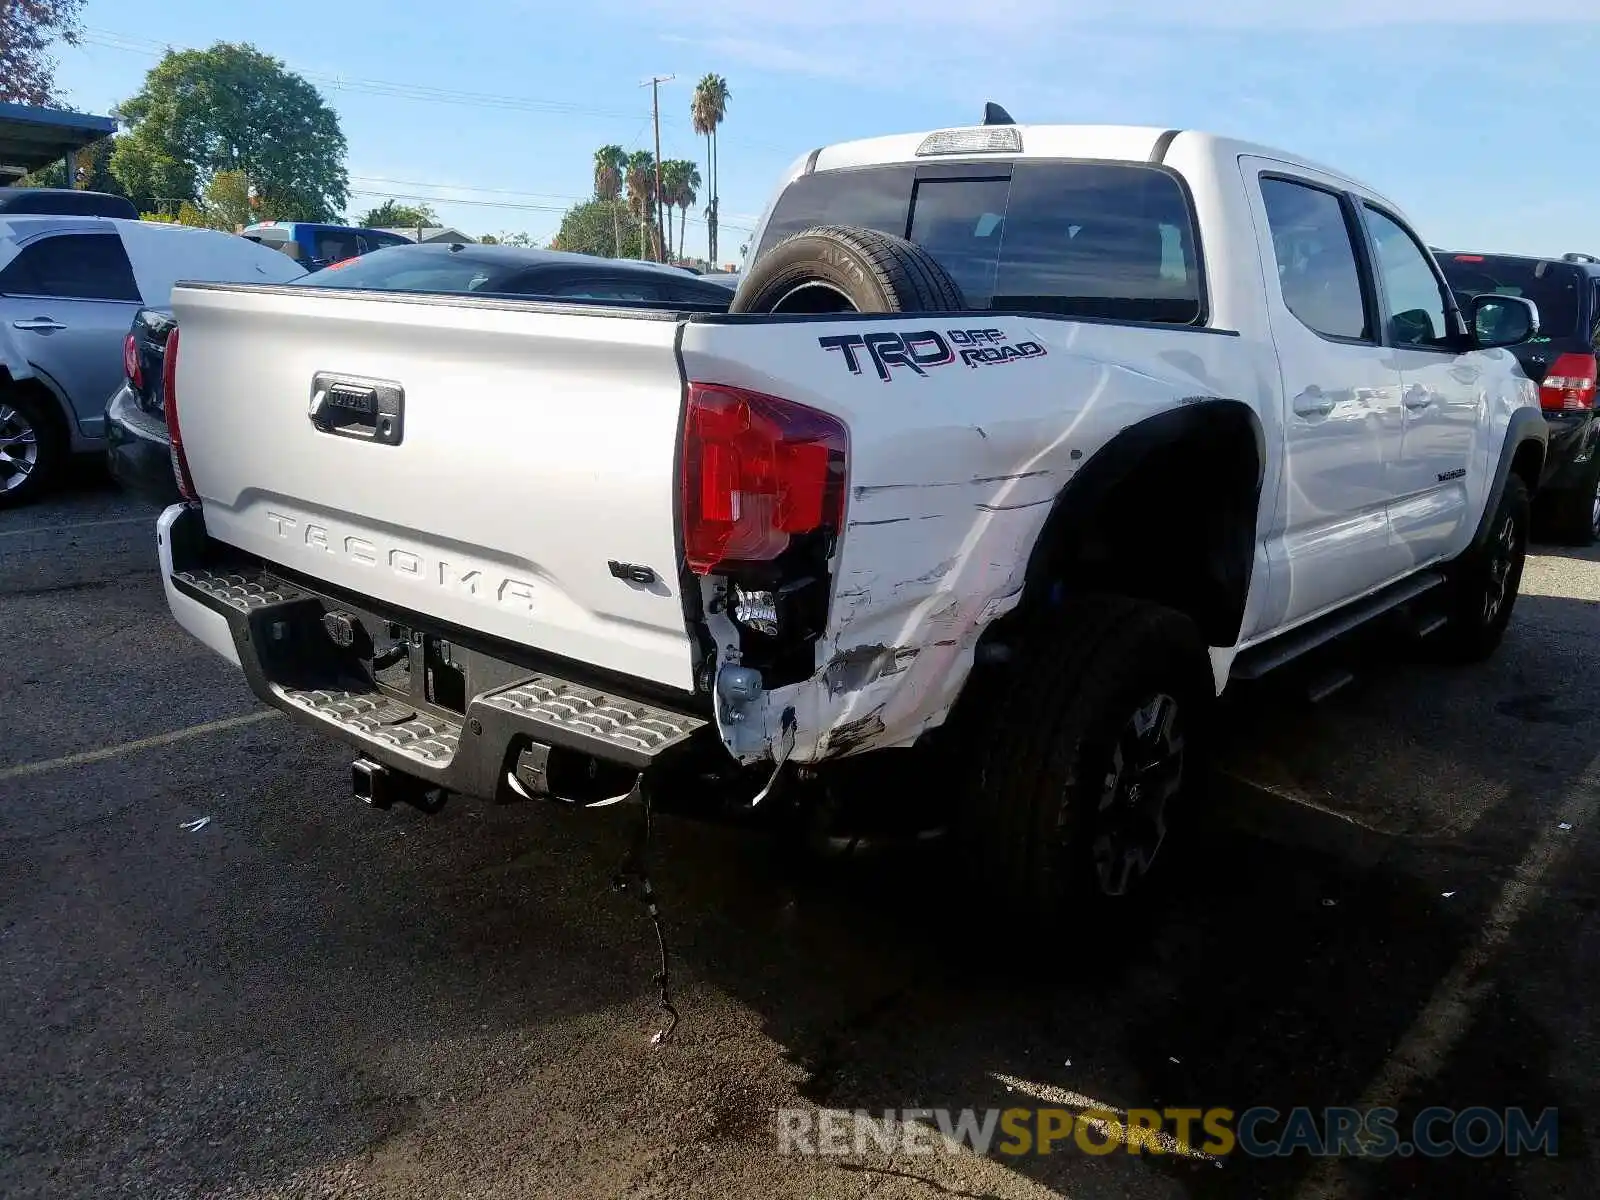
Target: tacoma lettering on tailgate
{"x":435,"y":572}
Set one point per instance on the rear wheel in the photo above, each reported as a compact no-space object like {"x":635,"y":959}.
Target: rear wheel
{"x":31,"y":447}
{"x":1094,"y":754}
{"x":1485,"y":581}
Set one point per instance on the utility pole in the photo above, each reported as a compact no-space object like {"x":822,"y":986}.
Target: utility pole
{"x":655,"y":82}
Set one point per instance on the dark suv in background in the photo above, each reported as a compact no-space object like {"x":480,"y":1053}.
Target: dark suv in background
{"x":1561,"y":360}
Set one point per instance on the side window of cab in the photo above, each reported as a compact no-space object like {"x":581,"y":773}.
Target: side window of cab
{"x":1319,"y":270}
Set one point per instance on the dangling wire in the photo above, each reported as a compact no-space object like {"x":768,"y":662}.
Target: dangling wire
{"x":634,"y":868}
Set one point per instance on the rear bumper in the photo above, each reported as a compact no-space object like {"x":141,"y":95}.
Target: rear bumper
{"x":1569,"y":457}
{"x":465,"y":737}
{"x":138,"y":454}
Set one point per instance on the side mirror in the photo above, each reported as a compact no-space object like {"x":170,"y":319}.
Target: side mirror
{"x":1496,"y":320}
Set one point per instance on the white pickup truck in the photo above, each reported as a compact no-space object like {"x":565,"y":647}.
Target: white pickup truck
{"x":1027,"y":437}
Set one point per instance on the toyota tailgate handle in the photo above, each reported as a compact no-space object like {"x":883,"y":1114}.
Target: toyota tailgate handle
{"x":352,"y":406}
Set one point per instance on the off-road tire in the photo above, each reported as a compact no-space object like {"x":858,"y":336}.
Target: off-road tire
{"x":1030,"y":827}
{"x":1474,"y":626}
{"x":873,"y":272}
{"x":50,"y":446}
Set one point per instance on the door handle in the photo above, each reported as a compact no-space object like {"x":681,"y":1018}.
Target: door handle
{"x":1312,"y":403}
{"x":1416,"y":398}
{"x":39,"y":324}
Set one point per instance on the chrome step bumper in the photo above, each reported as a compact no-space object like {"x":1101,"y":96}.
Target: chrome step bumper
{"x":279,"y":633}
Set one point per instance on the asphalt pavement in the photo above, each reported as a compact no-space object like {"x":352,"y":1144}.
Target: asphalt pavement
{"x":221,"y":976}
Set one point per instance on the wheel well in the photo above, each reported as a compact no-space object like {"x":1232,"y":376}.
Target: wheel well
{"x":49,"y":400}
{"x":1528,"y":464}
{"x":1165,"y":512}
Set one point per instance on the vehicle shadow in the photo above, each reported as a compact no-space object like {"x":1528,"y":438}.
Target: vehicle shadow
{"x":1301,"y":935}
{"x":385,"y":987}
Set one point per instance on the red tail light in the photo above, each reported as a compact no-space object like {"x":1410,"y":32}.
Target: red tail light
{"x":1569,"y":386}
{"x":756,"y":470}
{"x":130,"y":363}
{"x":169,"y":395}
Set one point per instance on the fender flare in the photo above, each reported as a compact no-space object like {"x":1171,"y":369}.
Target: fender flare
{"x":1196,"y":417}
{"x":14,"y":365}
{"x":64,"y":411}
{"x":1527,"y":425}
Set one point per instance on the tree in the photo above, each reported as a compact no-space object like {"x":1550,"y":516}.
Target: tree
{"x":591,"y":226}
{"x":227,"y":201}
{"x":233,"y":108}
{"x":707,"y":109}
{"x":682,"y":191}
{"x":610,"y":163}
{"x":505,"y":239}
{"x":194,"y":215}
{"x":27,"y":28}
{"x":641,"y":183}
{"x":391,"y":215}
{"x":671,"y":181}
{"x":94,"y":170}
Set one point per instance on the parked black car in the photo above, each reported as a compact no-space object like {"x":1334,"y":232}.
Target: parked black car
{"x":515,"y":271}
{"x":137,"y":451}
{"x":1562,"y":361}
{"x":15,"y":201}
{"x":139,"y":455}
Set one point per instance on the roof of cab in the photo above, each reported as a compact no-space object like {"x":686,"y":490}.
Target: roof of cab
{"x":1122,"y":143}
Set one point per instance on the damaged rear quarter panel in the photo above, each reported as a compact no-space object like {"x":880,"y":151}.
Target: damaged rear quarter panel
{"x":953,"y":471}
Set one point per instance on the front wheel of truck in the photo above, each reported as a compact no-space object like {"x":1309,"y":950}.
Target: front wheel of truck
{"x":1483,"y":584}
{"x":1095,"y":753}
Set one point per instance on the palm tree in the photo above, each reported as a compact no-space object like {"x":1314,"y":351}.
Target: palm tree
{"x":685,"y":195}
{"x":609,"y":164}
{"x":671,"y":184}
{"x":707,"y":108}
{"x":641,"y":183}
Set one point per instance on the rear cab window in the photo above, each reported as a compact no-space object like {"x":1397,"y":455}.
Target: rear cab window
{"x":369,"y":240}
{"x":1085,"y":239}
{"x":335,"y":245}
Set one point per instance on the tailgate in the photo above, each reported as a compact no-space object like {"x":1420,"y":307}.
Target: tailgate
{"x":500,"y":466}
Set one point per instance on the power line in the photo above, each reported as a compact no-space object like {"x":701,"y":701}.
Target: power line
{"x":111,"y":40}
{"x":462,"y":187}
{"x":654,"y":84}
{"x":127,"y":43}
{"x":380,"y":87}
{"x":547,"y":208}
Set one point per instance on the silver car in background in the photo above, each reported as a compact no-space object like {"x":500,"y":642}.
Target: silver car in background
{"x":69,"y":289}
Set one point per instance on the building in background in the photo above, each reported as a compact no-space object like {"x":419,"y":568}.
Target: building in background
{"x":32,"y":138}
{"x":430,"y":234}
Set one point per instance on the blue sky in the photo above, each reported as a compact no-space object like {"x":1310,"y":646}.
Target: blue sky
{"x":1482,"y":126}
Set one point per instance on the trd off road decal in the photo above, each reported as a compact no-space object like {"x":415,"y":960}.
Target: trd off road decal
{"x":928,"y":348}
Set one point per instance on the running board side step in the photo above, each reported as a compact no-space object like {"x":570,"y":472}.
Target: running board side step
{"x":1269,"y":656}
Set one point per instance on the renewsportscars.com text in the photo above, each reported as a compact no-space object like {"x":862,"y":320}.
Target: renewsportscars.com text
{"x":1476,"y":1132}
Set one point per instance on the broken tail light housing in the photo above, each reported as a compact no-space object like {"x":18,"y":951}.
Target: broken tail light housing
{"x":755,"y":472}
{"x":169,"y":389}
{"x":1569,"y":386}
